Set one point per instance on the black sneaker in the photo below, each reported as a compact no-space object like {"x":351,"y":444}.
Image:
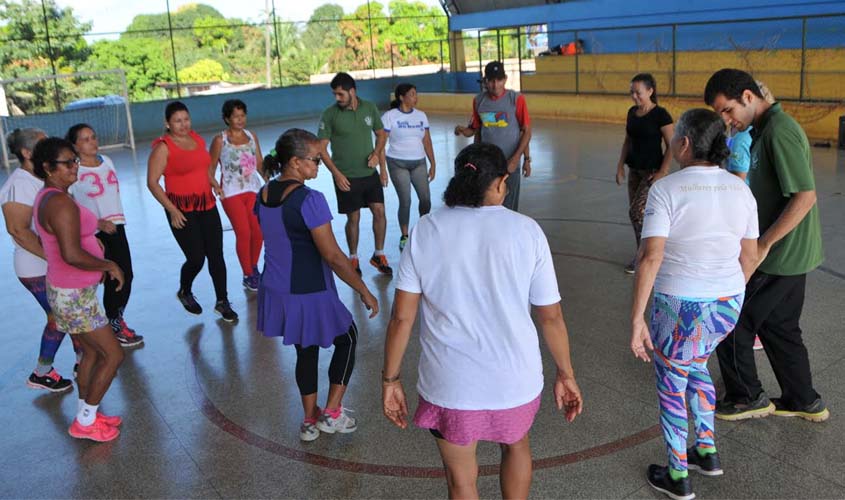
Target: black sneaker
{"x":759,"y":408}
{"x":631,"y":268}
{"x":816,"y":412}
{"x":224,"y":309}
{"x":707,"y":465}
{"x":659,"y":479}
{"x":52,"y":382}
{"x":189,"y":302}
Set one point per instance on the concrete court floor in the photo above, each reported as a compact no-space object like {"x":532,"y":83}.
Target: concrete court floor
{"x":212,"y":410}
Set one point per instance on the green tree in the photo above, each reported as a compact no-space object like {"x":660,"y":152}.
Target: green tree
{"x":147,"y":61}
{"x":25,"y":52}
{"x":212,"y":32}
{"x":204,"y":70}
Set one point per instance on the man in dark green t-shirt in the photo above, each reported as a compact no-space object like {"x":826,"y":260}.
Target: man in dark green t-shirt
{"x":790,"y":246}
{"x":348,"y":125}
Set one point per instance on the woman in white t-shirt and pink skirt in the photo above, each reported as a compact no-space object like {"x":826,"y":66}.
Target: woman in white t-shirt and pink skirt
{"x":238,"y":153}
{"x":98,"y":190}
{"x":480,"y":369}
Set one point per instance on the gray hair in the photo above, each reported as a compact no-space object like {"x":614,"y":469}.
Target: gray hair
{"x":23,"y":138}
{"x":706,"y":132}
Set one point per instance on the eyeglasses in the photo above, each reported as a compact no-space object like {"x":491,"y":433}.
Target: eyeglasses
{"x":315,"y":159}
{"x":74,"y":161}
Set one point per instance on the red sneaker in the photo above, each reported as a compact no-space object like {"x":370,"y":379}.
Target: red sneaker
{"x":110,"y":420}
{"x":380,"y":263}
{"x":758,"y":346}
{"x":99,"y":431}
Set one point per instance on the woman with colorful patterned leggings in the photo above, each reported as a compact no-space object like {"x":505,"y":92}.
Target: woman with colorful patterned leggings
{"x":699,"y":246}
{"x":17,"y":197}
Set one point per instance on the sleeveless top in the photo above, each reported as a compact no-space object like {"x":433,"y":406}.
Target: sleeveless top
{"x":186,"y":181}
{"x":60,"y":274}
{"x":238,"y":166}
{"x":98,"y":190}
{"x":499,"y":125}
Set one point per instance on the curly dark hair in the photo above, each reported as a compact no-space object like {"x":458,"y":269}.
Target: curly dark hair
{"x":476,"y":167}
{"x":230,"y":106}
{"x":706,"y":132}
{"x":46,"y":152}
{"x":292,"y":143}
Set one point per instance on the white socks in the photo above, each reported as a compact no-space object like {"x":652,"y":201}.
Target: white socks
{"x":379,"y":252}
{"x":86,"y":414}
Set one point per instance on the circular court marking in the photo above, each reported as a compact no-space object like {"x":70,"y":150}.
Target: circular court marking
{"x":224,"y":423}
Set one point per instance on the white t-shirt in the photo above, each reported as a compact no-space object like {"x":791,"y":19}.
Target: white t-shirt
{"x":22,"y":187}
{"x":704,"y":212}
{"x":98,"y":190}
{"x":479,"y":270}
{"x":406,"y":133}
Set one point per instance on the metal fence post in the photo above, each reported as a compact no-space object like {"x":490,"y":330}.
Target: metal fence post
{"x":519,"y":53}
{"x":392,"y":72}
{"x":173,"y":50}
{"x":479,"y":53}
{"x":577,"y":66}
{"x":803,"y":57}
{"x":278,"y":50}
{"x":674,"y":60}
{"x":441,"y":56}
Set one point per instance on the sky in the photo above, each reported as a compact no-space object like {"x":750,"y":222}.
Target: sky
{"x":115,"y":15}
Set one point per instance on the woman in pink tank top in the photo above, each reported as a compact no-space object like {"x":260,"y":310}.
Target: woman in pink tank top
{"x":75,"y":267}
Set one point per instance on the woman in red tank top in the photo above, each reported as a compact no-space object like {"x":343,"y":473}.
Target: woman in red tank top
{"x":180,"y":156}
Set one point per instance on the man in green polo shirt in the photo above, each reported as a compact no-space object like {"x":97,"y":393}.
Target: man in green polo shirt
{"x":349,"y":125}
{"x":790,"y":246}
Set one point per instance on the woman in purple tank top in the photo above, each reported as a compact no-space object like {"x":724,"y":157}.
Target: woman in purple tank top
{"x":297,"y":298}
{"x":75,"y":267}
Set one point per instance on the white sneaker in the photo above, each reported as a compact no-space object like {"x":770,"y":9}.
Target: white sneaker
{"x":308,"y":431}
{"x":343,"y":423}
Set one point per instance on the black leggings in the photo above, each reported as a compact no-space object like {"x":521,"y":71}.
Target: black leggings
{"x":340,"y":368}
{"x":117,"y":250}
{"x":201,"y":238}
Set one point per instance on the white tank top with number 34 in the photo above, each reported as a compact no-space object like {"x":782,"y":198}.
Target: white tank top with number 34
{"x":97,"y":189}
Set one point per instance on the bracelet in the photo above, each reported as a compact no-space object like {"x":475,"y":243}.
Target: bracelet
{"x":387,"y":380}
{"x":527,"y":158}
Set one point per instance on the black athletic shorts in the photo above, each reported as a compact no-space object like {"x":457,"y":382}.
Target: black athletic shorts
{"x":362,"y":192}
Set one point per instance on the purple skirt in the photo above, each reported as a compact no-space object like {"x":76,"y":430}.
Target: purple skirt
{"x":463,"y":427}
{"x":303,"y":319}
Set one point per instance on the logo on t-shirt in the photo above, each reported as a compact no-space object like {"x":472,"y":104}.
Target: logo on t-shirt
{"x":409,"y":125}
{"x":494,"y":119}
{"x":322,"y":125}
{"x":368,"y":120}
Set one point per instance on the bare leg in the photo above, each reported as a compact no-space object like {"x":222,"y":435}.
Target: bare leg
{"x":461,"y":469}
{"x":515,"y":475}
{"x":352,"y":220}
{"x":379,"y":224}
{"x":108,"y":356}
{"x":309,"y":406}
{"x":336,"y":392}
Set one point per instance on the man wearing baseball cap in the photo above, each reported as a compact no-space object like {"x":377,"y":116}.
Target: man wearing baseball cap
{"x":500,"y":117}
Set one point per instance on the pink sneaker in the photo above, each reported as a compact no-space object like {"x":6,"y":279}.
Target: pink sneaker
{"x":99,"y":431}
{"x":758,"y":346}
{"x":110,"y":420}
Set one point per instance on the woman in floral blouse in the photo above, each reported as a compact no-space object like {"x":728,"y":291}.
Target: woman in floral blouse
{"x":236,"y":150}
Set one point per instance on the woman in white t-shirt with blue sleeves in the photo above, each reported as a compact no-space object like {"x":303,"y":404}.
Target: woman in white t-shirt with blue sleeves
{"x":699,"y":246}
{"x":480,"y":370}
{"x":409,"y":144}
